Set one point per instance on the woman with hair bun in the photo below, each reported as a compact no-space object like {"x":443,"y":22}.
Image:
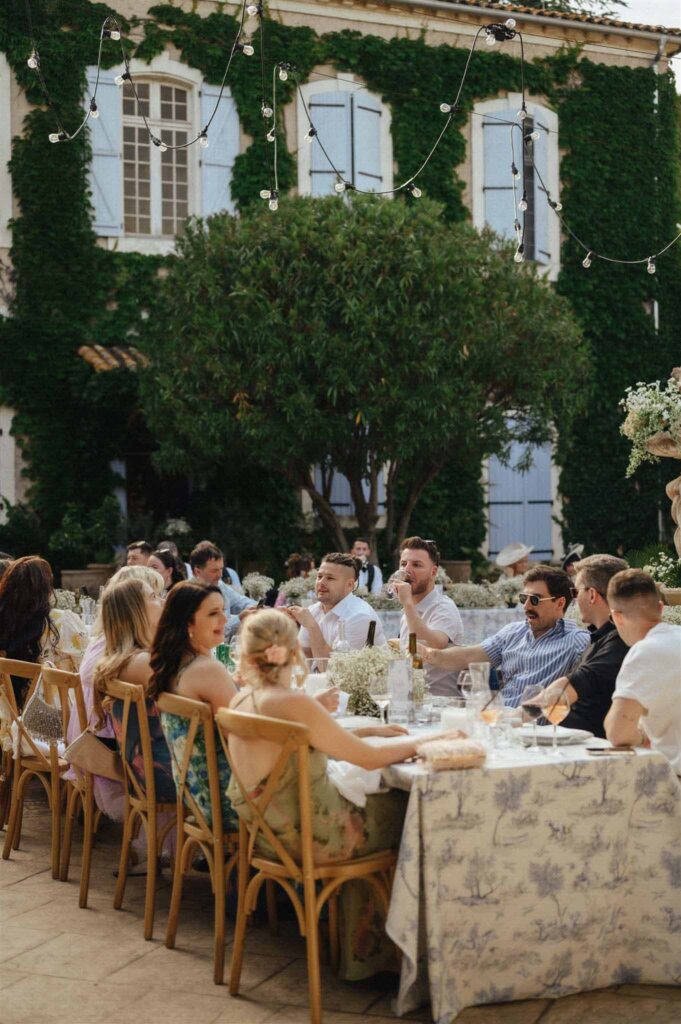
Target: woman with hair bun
{"x":165,"y":563}
{"x":269,"y":653}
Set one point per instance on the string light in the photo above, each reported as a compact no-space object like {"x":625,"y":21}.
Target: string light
{"x":203,"y":139}
{"x":310,"y":133}
{"x":123,"y":78}
{"x":34,"y":60}
{"x":413,"y":189}
{"x":270,"y":135}
{"x":651,"y":265}
{"x":94,"y":110}
{"x":522,"y":205}
{"x":254,"y":9}
{"x":266,"y":111}
{"x":586,"y":262}
{"x":245,"y":48}
{"x":519,"y":254}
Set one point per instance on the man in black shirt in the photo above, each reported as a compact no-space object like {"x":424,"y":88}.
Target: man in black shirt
{"x":590,"y":686}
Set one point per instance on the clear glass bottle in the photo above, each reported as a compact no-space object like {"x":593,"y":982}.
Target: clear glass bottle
{"x":340,"y":644}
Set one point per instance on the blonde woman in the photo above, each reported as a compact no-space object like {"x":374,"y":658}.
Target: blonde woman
{"x":108,"y":794}
{"x":269,"y":654}
{"x":130,"y":613}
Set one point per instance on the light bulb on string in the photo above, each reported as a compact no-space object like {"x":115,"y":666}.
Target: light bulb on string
{"x":310,"y":133}
{"x":586,"y":262}
{"x":254,"y":9}
{"x":340,"y":187}
{"x":270,"y":135}
{"x":555,"y":205}
{"x":522,"y":114}
{"x":94,"y":110}
{"x":159,"y":143}
{"x":490,"y":40}
{"x":58,"y":137}
{"x":273,"y":204}
{"x":121,"y":79}
{"x":514,"y":171}
{"x":265,"y":193}
{"x":111,"y":33}
{"x":203,"y":139}
{"x":283,"y":73}
{"x":413,"y":189}
{"x":266,"y":111}
{"x":533,"y":135}
{"x":519,"y":257}
{"x":510,"y":24}
{"x":446,"y":108}
{"x":651,"y":268}
{"x":34,"y":60}
{"x":522,"y":205}
{"x":245,"y":48}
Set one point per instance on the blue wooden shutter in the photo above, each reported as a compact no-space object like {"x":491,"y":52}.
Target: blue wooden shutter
{"x":330,"y":114}
{"x":497,"y":181}
{"x":106,"y":173}
{"x":366,"y":142}
{"x":520,"y":504}
{"x":218,"y":159}
{"x":541,"y":204}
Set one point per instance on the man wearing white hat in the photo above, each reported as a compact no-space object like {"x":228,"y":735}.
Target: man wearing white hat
{"x":513,"y":559}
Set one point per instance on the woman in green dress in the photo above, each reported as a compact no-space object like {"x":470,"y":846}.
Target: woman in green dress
{"x":269,"y":651}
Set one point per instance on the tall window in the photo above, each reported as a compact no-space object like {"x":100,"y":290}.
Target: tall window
{"x":155,"y":183}
{"x":353,"y":126}
{"x":495,"y":147}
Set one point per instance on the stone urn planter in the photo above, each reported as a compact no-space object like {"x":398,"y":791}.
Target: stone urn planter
{"x":459,"y":571}
{"x":92,"y":578}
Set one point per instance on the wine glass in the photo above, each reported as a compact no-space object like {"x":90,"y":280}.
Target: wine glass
{"x":465,"y":684}
{"x":531,"y":703}
{"x":556,"y":709}
{"x":380,"y":695}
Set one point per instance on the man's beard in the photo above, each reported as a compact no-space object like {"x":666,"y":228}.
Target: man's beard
{"x":419,"y":588}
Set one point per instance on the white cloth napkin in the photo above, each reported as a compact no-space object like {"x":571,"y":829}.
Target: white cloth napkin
{"x":354,"y":783}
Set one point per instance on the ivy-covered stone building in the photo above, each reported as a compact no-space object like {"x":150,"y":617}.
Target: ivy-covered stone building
{"x":85,"y":225}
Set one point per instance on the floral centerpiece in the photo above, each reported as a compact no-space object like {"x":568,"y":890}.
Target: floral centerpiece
{"x":256,"y":585}
{"x":299,"y":588}
{"x":508,"y":588}
{"x":359,"y":672}
{"x":473,"y":595}
{"x":653,"y":421}
{"x":380,"y":602}
{"x":65,"y":599}
{"x":665,"y":569}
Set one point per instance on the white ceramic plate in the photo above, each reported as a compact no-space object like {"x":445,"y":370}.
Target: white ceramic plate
{"x":563,"y":735}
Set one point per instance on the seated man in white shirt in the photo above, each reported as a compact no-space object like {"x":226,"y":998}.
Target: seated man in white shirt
{"x":370,"y":575}
{"x":646,"y":704}
{"x":336,"y":580}
{"x":431,"y":615}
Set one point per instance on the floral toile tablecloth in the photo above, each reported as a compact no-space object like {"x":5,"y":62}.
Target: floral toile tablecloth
{"x":478,"y":623}
{"x":533,"y":878}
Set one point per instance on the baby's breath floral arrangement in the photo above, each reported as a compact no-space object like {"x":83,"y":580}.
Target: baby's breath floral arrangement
{"x":299,"y":588}
{"x":672,"y":614}
{"x":359,"y":671}
{"x":256,"y":586}
{"x":177,"y":528}
{"x":474,"y":595}
{"x":651,"y":409}
{"x":380,"y":602}
{"x":508,"y":588}
{"x":65,"y":599}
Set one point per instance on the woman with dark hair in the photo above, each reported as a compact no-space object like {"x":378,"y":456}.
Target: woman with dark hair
{"x":192,"y":624}
{"x":25,"y":604}
{"x":165,"y":563}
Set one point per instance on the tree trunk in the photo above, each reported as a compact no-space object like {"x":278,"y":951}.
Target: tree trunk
{"x":415,"y":493}
{"x":324,"y":509}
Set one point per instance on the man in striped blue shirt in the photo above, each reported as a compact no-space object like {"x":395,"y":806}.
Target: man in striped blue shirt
{"x":534,"y":652}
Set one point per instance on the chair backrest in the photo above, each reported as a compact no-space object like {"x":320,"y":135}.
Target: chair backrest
{"x":294,"y":740}
{"x":134,"y":723}
{"x":68,"y":686}
{"x":198,"y":718}
{"x":24,"y":670}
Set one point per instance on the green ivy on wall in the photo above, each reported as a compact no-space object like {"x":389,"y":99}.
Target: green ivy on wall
{"x":619,"y":181}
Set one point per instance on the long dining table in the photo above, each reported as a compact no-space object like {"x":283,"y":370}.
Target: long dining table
{"x":536,"y":876}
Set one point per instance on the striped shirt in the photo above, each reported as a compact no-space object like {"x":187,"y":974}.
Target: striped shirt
{"x":525,"y":661}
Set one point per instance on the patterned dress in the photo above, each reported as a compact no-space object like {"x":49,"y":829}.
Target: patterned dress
{"x":175,"y":731}
{"x":340,"y":831}
{"x":163,"y":776}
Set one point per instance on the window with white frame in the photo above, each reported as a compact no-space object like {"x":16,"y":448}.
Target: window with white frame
{"x":140,"y":193}
{"x":495,"y":149}
{"x":353,"y":126}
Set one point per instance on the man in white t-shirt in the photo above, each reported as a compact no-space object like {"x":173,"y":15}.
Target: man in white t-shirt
{"x":370,"y":575}
{"x":320,"y":623}
{"x":646,"y":704}
{"x":430,"y":614}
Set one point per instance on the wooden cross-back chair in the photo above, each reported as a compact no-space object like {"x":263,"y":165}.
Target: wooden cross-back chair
{"x":33,"y":761}
{"x":141,"y":808}
{"x":194,"y":829}
{"x":80,"y":790}
{"x":376,"y":869}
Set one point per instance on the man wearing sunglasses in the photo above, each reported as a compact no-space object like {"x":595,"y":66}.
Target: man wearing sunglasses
{"x":534,"y":652}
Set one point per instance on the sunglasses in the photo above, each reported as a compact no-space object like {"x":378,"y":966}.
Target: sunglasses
{"x":534,"y":599}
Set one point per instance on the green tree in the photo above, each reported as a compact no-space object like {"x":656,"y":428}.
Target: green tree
{"x":356,"y":336}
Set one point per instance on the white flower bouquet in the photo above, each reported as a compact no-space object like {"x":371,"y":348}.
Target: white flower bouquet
{"x":665,"y":570}
{"x":299,"y":588}
{"x":652,"y":409}
{"x":256,"y":586}
{"x":359,"y":672}
{"x":508,"y":588}
{"x":474,"y":595}
{"x":65,"y":599}
{"x":177,"y":528}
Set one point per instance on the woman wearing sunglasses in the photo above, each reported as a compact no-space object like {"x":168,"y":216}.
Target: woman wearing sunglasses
{"x":534,"y":651}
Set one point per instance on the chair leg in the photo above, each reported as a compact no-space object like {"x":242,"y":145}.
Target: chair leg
{"x":176,"y":895}
{"x":71,"y":805}
{"x":271,"y":900}
{"x":55,"y":801}
{"x":333,"y":932}
{"x":241,"y":921}
{"x":123,"y":861}
{"x":219,"y":924}
{"x":15,"y":802}
{"x":88,"y":839}
{"x":313,"y":971}
{"x":152,"y":868}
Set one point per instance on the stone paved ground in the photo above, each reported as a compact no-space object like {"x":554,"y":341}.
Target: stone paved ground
{"x":62,"y":965}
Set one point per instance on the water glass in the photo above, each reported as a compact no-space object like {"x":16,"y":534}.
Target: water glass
{"x":479,"y":671}
{"x":455,"y":715}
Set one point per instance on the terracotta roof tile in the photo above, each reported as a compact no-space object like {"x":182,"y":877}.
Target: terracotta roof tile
{"x":587,"y":19}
